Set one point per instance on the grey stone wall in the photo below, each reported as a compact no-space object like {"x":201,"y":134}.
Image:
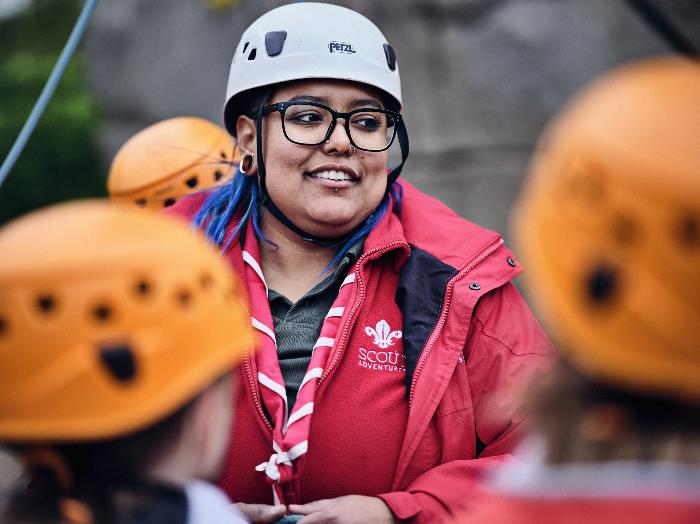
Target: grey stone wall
{"x":480,"y":77}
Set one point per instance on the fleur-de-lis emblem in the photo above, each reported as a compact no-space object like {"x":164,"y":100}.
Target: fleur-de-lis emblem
{"x":383,"y":335}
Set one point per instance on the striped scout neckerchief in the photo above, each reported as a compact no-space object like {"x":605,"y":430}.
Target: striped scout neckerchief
{"x":290,"y":434}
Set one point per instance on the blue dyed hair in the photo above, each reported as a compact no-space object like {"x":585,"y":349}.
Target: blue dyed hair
{"x":242,"y":196}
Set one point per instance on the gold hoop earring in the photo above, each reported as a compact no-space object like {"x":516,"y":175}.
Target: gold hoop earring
{"x":246,"y":163}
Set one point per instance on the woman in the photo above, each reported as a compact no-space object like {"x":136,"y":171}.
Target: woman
{"x":389,"y":331}
{"x":114,"y":356}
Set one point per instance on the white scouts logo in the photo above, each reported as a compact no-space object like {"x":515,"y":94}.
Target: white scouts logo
{"x":386,"y":360}
{"x":383,"y":336}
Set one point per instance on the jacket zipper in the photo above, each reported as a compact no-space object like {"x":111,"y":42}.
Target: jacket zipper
{"x":254,"y":391}
{"x":443,"y":314}
{"x":337,"y":354}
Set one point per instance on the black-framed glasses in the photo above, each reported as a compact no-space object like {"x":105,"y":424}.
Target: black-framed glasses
{"x":311,"y":124}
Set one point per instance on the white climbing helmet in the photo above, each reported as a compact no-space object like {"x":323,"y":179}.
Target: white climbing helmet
{"x":310,"y":40}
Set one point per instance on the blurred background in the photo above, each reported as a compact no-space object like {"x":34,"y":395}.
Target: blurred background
{"x":480,"y":80}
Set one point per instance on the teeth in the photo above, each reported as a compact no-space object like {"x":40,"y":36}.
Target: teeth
{"x":332,"y":175}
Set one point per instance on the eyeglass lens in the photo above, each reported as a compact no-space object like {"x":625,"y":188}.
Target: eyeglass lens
{"x":369,"y":129}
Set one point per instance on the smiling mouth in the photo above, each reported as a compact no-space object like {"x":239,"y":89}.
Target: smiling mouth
{"x":335,"y":176}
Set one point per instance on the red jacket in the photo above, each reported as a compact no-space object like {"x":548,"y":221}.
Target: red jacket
{"x":413,"y":422}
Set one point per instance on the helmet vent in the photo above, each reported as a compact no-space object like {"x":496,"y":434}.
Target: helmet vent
{"x":192,"y":181}
{"x":253,"y":53}
{"x":218,"y":175}
{"x":206,"y":281}
{"x":168,"y":202}
{"x":274,"y":42}
{"x":625,"y":230}
{"x":690,"y":232}
{"x":143,"y":288}
{"x":3,"y":327}
{"x":230,"y":295}
{"x":184,"y":297}
{"x":223,"y":155}
{"x":589,"y":189}
{"x":141,"y":202}
{"x":46,"y":304}
{"x":245,"y":47}
{"x":602,"y":284}
{"x":390,"y":57}
{"x":119,"y":360}
{"x":102,"y":313}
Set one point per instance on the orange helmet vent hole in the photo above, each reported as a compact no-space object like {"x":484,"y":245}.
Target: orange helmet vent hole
{"x":206,"y":281}
{"x":143,"y":288}
{"x":119,"y":360}
{"x":184,"y":297}
{"x":690,"y":232}
{"x":602,"y":284}
{"x":46,"y":304}
{"x":102,"y":313}
{"x":626,"y":231}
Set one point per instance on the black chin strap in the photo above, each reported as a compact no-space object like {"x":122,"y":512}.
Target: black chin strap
{"x":403,"y":144}
{"x":277,"y":212}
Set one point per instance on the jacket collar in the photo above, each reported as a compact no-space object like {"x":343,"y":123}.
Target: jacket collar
{"x":435,"y":228}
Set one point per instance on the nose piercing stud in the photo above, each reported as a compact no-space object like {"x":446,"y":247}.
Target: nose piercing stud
{"x":352,"y":147}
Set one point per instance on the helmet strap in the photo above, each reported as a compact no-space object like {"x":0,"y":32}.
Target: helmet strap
{"x":402,"y":135}
{"x":259,"y":148}
{"x":267,"y":201}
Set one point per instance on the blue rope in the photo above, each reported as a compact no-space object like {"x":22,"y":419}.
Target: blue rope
{"x":48,"y":91}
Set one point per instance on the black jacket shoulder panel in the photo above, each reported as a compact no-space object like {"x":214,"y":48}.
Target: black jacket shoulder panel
{"x":420,"y":295}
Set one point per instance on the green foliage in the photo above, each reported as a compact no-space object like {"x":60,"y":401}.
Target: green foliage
{"x":61,"y":160}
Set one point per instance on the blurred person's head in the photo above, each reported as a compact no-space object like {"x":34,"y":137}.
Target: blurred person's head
{"x":170,"y":159}
{"x":608,"y":225}
{"x":118,"y":331}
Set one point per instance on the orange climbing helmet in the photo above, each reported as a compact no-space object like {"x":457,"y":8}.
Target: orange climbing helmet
{"x":609,"y":226}
{"x":170,"y":159}
{"x":110,"y":319}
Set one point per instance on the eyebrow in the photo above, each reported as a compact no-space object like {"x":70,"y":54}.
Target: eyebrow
{"x":358,"y":102}
{"x":366,"y":102}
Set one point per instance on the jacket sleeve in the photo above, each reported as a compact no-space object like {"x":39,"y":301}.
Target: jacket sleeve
{"x":505,"y":349}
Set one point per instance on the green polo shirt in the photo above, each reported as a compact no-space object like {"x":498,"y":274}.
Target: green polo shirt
{"x":298,"y":325}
